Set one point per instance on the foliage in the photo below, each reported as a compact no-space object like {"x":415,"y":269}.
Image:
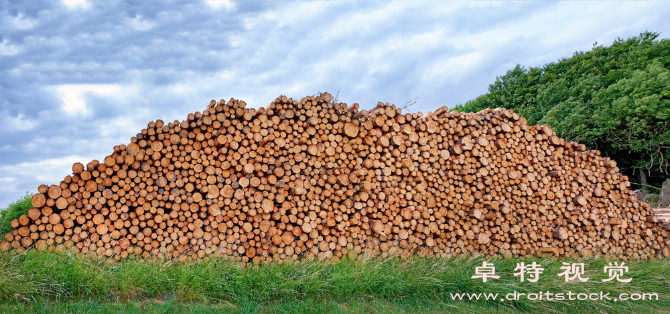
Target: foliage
{"x":14,"y":211}
{"x":615,"y":99}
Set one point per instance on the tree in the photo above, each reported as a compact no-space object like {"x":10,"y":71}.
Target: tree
{"x":614,"y":99}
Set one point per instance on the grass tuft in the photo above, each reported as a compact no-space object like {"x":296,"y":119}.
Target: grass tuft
{"x":14,"y":211}
{"x":50,"y":281}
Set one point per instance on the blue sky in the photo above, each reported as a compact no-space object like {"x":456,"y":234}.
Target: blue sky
{"x":80,"y":76}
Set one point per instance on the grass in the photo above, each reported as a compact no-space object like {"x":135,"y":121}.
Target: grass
{"x":13,"y":211}
{"x":46,"y":282}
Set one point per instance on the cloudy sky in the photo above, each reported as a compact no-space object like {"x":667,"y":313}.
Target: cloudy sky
{"x":80,"y":76}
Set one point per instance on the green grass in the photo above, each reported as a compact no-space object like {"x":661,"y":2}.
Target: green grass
{"x":46,"y":282}
{"x":13,"y":211}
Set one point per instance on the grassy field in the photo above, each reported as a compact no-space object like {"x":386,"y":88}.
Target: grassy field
{"x":51,"y":282}
{"x":47,"y":282}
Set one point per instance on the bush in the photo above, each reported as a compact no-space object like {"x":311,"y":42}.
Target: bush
{"x":615,"y":99}
{"x":653,"y":199}
{"x":13,"y":211}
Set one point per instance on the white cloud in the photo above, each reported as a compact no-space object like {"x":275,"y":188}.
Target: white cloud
{"x":112,"y":128}
{"x":19,"y":22}
{"x":453,"y":68}
{"x":51,"y":170}
{"x":18,"y":123}
{"x":73,"y":95}
{"x":140,"y":24}
{"x":217,"y":4}
{"x":7,"y":49}
{"x":53,"y":68}
{"x":76,"y":4}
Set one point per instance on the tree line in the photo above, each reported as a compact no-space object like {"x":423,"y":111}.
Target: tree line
{"x":612,"y":98}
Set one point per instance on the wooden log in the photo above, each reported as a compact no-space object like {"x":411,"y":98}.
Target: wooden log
{"x":38,"y":200}
{"x":560,"y":233}
{"x":351,"y":130}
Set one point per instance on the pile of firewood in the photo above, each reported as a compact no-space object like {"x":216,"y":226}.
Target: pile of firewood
{"x":318,"y":179}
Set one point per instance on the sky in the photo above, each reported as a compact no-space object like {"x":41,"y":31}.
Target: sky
{"x":78,"y":77}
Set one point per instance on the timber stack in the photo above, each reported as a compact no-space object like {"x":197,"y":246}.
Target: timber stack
{"x":314,"y":178}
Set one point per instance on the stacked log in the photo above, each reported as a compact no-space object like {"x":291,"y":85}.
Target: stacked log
{"x":318,"y":179}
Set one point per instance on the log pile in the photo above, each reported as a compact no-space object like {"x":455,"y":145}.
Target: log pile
{"x":313,"y":178}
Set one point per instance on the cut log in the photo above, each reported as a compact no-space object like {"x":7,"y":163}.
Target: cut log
{"x":560,"y":233}
{"x":350,"y":129}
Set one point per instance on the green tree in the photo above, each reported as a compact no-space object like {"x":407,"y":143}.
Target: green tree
{"x":614,"y":99}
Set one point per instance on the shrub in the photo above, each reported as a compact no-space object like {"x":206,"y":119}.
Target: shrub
{"x":13,"y":211}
